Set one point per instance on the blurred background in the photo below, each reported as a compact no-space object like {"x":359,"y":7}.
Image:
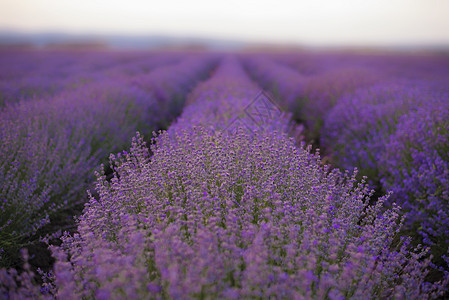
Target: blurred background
{"x":232,"y":24}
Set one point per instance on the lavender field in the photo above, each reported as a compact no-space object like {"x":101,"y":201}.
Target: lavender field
{"x":209,"y":175}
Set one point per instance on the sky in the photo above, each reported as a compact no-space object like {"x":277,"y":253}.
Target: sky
{"x":312,"y":22}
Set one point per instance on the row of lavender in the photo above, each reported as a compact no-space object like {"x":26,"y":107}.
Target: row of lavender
{"x":220,"y":213}
{"x":49,"y":147}
{"x":26,"y":75}
{"x":387,"y":115}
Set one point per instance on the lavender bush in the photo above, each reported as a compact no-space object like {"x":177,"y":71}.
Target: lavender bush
{"x":203,"y":219}
{"x":415,"y":166}
{"x":50,"y":148}
{"x":356,"y":129}
{"x":323,"y":91}
{"x":396,"y":135}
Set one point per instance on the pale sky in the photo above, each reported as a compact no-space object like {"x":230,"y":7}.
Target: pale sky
{"x":315,"y":22}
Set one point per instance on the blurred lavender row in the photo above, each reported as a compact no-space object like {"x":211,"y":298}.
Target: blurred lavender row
{"x":398,"y":136}
{"x":49,"y":147}
{"x":383,"y":114}
{"x":26,"y":75}
{"x":228,"y":214}
{"x":310,"y":95}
